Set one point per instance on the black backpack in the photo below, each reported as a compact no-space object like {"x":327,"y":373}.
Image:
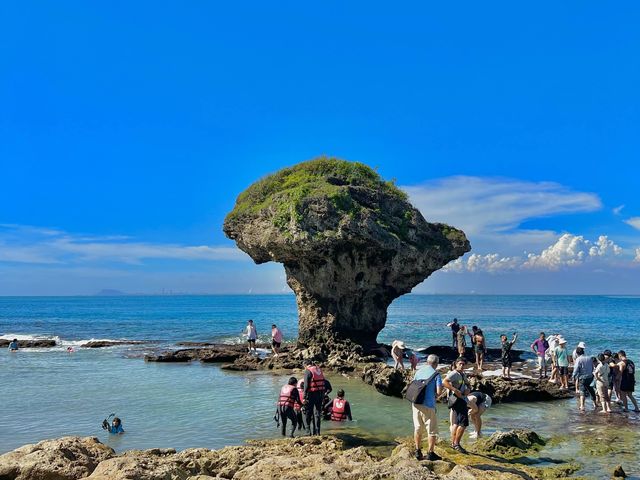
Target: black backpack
{"x":416,"y":389}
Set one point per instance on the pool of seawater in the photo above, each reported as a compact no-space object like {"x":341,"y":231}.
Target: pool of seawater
{"x":49,"y":393}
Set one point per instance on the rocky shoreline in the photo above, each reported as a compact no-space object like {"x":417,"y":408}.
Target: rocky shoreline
{"x":511,"y":455}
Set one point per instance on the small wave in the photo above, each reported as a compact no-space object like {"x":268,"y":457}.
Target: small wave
{"x":61,"y":343}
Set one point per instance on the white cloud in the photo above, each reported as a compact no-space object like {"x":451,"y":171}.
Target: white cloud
{"x":480,"y":205}
{"x":634,"y":222}
{"x":26,"y":244}
{"x":568,"y":251}
{"x":637,"y":259}
{"x":618,"y":209}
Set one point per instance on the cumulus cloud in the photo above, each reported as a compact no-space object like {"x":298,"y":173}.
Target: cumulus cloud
{"x":27,"y":244}
{"x":634,"y":222}
{"x":568,"y":251}
{"x":481,"y":205}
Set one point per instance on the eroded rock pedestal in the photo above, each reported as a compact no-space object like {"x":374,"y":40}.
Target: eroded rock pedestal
{"x":350,"y":244}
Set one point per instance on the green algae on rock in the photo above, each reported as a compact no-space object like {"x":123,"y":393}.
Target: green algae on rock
{"x":350,"y":243}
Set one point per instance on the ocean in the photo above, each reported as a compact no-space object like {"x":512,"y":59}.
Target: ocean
{"x":49,"y":393}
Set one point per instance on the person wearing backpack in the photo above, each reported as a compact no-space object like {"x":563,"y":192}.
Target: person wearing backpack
{"x":424,"y":409}
{"x":628,"y":380}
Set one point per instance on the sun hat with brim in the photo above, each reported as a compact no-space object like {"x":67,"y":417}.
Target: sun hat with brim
{"x":562,"y":342}
{"x":581,"y":345}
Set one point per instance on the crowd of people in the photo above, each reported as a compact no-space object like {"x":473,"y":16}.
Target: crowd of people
{"x":464,"y":405}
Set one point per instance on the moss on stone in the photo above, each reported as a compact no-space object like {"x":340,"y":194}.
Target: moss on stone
{"x":283,"y":193}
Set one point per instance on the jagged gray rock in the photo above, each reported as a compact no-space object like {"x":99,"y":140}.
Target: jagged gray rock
{"x":350,"y":243}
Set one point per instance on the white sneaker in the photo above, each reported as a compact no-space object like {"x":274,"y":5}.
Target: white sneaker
{"x":473,"y":435}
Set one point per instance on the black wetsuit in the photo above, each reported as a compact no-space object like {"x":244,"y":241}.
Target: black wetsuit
{"x":288,"y":413}
{"x":314,"y":403}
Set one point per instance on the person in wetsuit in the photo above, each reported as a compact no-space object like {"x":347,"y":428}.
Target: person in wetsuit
{"x":314,"y":388}
{"x":287,"y":401}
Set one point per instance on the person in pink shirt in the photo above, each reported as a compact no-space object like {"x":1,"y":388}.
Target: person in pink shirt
{"x":276,"y":340}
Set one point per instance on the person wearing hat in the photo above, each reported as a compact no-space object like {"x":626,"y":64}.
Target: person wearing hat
{"x":478,"y":403}
{"x":574,"y":355}
{"x":397,"y":352}
{"x":562,"y":360}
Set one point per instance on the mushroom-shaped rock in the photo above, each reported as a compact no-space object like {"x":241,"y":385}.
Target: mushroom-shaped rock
{"x":350,"y":243}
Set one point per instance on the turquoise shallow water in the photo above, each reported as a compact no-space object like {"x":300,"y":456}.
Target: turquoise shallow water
{"x":49,"y":393}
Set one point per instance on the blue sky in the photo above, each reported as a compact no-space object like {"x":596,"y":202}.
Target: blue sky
{"x":127,"y":130}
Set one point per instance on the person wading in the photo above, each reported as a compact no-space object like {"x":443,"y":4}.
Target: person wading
{"x":287,"y":401}
{"x":314,"y":388}
{"x":627,"y":381}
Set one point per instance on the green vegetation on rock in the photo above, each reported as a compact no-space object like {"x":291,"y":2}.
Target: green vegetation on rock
{"x":283,"y":193}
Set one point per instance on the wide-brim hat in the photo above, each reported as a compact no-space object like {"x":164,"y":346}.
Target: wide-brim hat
{"x":581,"y":345}
{"x":562,"y":341}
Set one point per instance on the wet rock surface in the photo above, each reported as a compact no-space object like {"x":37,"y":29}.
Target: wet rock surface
{"x":213,"y":353}
{"x":518,"y":389}
{"x":350,"y":244}
{"x":29,"y":343}
{"x":329,"y":457}
{"x":513,"y":442}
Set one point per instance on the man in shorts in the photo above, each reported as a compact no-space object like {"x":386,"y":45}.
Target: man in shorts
{"x":252,"y":335}
{"x":506,"y":355}
{"x":540,"y":347}
{"x":562,"y":360}
{"x":478,"y":403}
{"x":457,"y":384}
{"x":276,"y":340}
{"x":424,"y":414}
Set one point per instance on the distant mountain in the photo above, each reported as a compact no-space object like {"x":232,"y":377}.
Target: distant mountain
{"x":110,"y":292}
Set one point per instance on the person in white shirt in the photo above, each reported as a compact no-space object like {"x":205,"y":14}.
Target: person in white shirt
{"x":252,"y":335}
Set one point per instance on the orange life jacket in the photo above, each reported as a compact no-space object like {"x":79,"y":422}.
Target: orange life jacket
{"x":338,"y":410}
{"x":298,"y":406}
{"x":286,"y":399}
{"x":317,"y":379}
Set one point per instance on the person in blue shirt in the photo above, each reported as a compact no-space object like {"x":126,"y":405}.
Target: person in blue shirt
{"x":424,"y":415}
{"x":116,"y":426}
{"x":13,"y":346}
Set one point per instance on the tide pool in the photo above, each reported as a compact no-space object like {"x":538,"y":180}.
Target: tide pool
{"x":50,"y":393}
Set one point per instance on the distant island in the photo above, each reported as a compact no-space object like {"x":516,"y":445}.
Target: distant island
{"x":110,"y":292}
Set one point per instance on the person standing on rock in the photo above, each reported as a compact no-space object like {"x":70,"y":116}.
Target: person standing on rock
{"x":627,"y":381}
{"x":424,"y":415}
{"x":276,"y":340}
{"x":506,"y":355}
{"x":462,"y":341}
{"x":314,"y":388}
{"x":540,"y":347}
{"x":458,"y":385}
{"x":479,"y":347}
{"x":252,"y":335}
{"x":287,"y":401}
{"x":562,"y":359}
{"x":455,"y":328}
{"x":397,"y":352}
